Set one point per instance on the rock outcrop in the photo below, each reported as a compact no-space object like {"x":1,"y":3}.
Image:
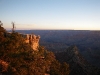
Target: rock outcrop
{"x":33,"y":40}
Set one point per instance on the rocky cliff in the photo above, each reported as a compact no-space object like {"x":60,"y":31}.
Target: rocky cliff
{"x":17,"y":57}
{"x":33,"y":40}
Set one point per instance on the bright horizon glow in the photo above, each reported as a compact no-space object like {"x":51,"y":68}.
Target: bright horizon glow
{"x":51,"y":14}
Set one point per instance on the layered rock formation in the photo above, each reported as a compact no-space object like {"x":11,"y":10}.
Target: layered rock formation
{"x":78,"y":65}
{"x":33,"y":40}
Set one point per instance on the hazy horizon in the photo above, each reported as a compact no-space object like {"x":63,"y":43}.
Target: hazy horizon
{"x":52,"y":30}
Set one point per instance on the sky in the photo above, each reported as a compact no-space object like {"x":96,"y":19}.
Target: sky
{"x":51,"y":14}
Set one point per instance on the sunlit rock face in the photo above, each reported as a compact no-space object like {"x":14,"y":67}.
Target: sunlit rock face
{"x":33,"y":40}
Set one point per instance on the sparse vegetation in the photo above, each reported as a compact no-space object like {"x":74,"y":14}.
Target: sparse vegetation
{"x":22,"y":60}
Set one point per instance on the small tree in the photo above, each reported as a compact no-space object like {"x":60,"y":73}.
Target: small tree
{"x":13,"y":29}
{"x":1,"y":24}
